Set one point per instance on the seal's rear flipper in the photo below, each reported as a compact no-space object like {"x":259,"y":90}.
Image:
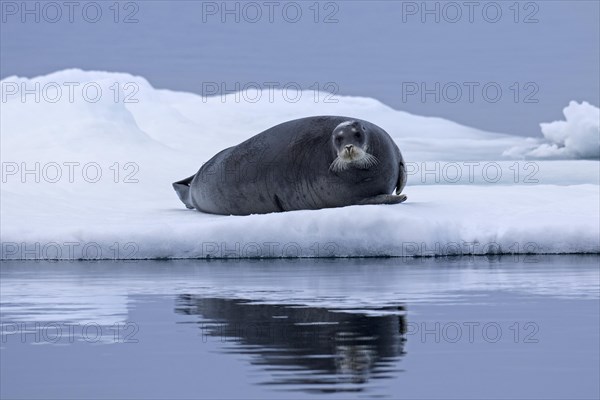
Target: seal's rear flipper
{"x":183,"y":191}
{"x":384,"y":199}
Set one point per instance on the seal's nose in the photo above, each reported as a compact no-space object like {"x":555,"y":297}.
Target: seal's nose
{"x":349,"y":147}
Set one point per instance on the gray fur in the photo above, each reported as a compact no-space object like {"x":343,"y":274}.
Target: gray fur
{"x":292,"y":166}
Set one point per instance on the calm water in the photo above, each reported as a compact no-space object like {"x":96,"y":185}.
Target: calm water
{"x":421,"y":328}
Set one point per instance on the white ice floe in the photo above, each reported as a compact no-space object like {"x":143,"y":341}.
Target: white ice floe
{"x":84,"y":179}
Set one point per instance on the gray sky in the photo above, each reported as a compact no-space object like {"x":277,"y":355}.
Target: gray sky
{"x":380,"y":49}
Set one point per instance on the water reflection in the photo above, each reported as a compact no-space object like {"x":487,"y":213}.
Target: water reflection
{"x":308,"y":348}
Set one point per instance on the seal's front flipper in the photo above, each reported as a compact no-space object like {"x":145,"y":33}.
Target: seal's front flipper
{"x":384,"y":199}
{"x":183,"y":191}
{"x":401,"y":177}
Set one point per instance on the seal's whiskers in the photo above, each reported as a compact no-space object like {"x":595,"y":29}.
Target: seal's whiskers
{"x":339,"y":165}
{"x":365,"y":162}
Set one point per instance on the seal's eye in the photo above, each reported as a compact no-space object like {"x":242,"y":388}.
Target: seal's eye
{"x":338,"y":139}
{"x":357,"y":135}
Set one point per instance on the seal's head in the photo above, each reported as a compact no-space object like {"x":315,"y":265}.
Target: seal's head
{"x":351,"y":142}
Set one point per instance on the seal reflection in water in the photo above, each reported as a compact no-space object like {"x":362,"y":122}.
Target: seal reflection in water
{"x":306,"y":348}
{"x":308,"y":163}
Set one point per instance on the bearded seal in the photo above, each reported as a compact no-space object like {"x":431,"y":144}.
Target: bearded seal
{"x":308,"y":163}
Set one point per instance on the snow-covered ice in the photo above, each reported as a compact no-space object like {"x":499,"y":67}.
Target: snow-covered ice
{"x":104,"y":171}
{"x":578,"y":136}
